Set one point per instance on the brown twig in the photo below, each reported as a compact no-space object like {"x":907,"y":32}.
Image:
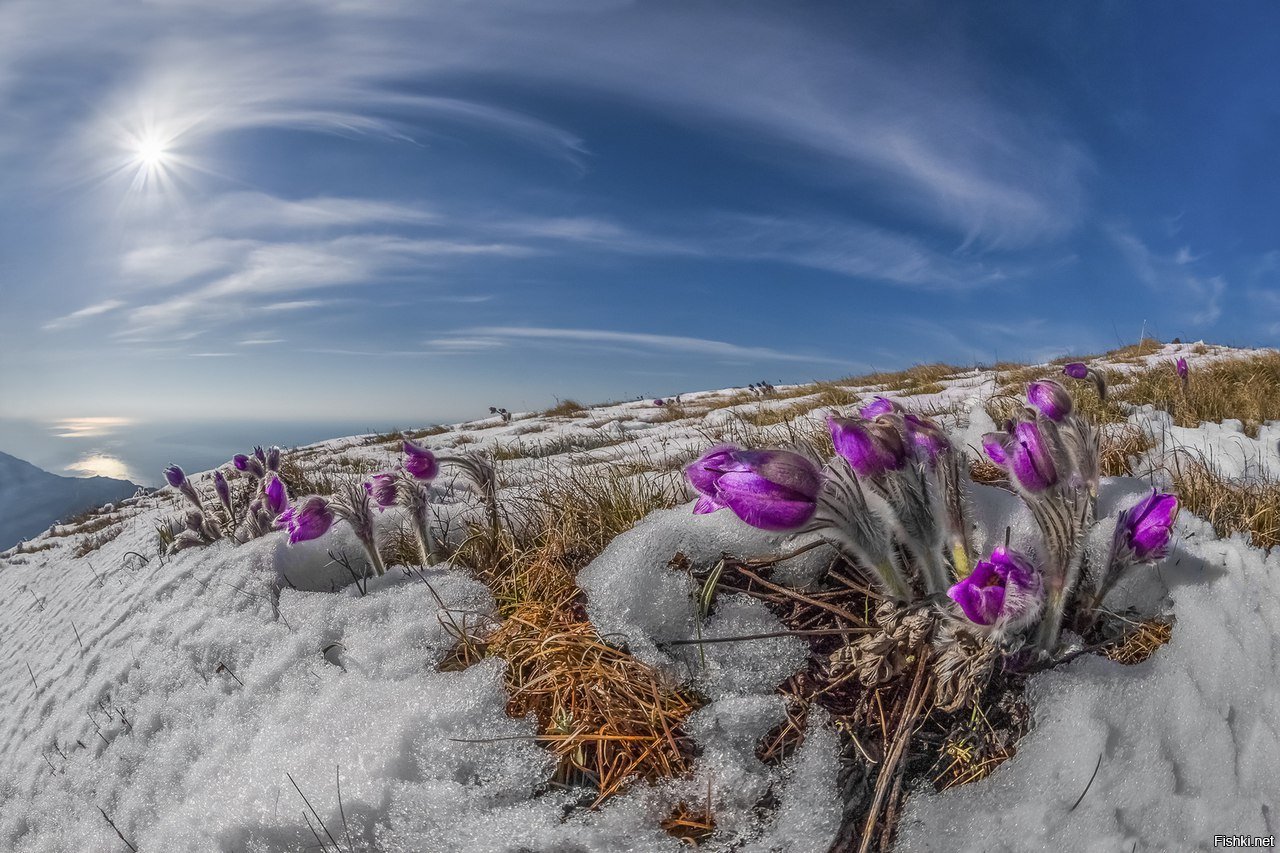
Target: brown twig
{"x":906,"y":726}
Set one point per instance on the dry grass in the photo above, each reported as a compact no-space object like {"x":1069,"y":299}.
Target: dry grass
{"x":1246,"y":389}
{"x":565,"y":409}
{"x":86,"y":522}
{"x":1250,"y":505}
{"x":608,"y":717}
{"x":556,"y":445}
{"x":1122,"y":444}
{"x":92,"y":543}
{"x":691,"y":823}
{"x":1141,"y":643}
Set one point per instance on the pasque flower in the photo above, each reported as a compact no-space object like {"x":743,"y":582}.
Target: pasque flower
{"x":1050,"y":398}
{"x":768,"y":489}
{"x":275,"y":495}
{"x":871,"y":447}
{"x":272,"y":460}
{"x":928,"y":439}
{"x":1181,"y":366}
{"x":175,"y":477}
{"x":1144,"y":530}
{"x":1004,"y":588}
{"x":223,"y":489}
{"x":249,"y":465}
{"x":309,"y":518}
{"x":420,"y":462}
{"x":1080,"y":370}
{"x":383,"y":489}
{"x":1030,"y":458}
{"x":879,"y":406}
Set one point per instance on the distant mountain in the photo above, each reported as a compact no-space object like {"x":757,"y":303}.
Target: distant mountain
{"x":31,"y":499}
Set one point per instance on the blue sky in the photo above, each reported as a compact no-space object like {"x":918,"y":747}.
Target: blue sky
{"x":413,"y":210}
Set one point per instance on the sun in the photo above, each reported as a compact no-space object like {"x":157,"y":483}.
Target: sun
{"x":151,"y":152}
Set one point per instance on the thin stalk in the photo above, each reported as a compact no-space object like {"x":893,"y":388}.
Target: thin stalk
{"x":375,"y":559}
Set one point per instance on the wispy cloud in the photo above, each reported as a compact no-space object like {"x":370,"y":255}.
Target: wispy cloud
{"x":75,"y":317}
{"x":652,"y":342}
{"x":1173,"y":275}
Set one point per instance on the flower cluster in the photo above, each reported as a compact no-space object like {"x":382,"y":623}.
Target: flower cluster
{"x":249,"y":516}
{"x":894,"y":500}
{"x":407,"y":486}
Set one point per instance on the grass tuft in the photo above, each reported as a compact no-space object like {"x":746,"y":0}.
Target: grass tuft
{"x":1249,"y":505}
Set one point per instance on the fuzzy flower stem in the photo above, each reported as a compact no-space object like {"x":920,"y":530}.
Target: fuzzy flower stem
{"x":375,"y":559}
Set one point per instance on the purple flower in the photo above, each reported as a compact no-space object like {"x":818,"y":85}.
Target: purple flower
{"x":260,"y":454}
{"x":870,"y":447}
{"x":420,"y":462}
{"x":175,"y":476}
{"x":1145,"y":528}
{"x":310,"y":518}
{"x":1076,"y":370}
{"x":222,"y":488}
{"x":249,"y":464}
{"x":277,"y":497}
{"x":768,"y":489}
{"x":1050,"y":398}
{"x":1030,"y":459}
{"x":382,"y":488}
{"x":928,"y":438}
{"x":659,"y":402}
{"x":1006,"y":587}
{"x":273,"y":459}
{"x":1181,"y":366}
{"x":996,"y":445}
{"x":879,"y":406}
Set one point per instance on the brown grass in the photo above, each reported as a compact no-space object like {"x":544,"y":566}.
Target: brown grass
{"x":608,"y":717}
{"x":691,"y":823}
{"x":1250,"y":505}
{"x":565,"y":409}
{"x":1140,"y":644}
{"x":1121,"y":445}
{"x":1246,"y":389}
{"x":92,"y":543}
{"x":86,"y":522}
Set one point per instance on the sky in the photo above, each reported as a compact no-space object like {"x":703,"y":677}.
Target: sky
{"x":410,"y":211}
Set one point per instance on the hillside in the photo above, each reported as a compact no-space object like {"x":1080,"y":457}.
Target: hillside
{"x":608,"y":671}
{"x":31,"y":498}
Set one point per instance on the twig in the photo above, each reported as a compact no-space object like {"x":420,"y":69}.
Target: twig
{"x":33,"y":677}
{"x":906,"y":726}
{"x":117,"y":829}
{"x":1087,"y":785}
{"x":77,"y":630}
{"x":337,"y":773}
{"x":222,"y":667}
{"x":811,"y":632}
{"x":790,"y":593}
{"x":314,"y":812}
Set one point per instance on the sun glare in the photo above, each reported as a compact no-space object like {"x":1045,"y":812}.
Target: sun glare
{"x":151,"y":152}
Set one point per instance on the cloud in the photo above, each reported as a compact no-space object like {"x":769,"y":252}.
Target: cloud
{"x":652,"y":342}
{"x":76,"y":317}
{"x":916,"y":130}
{"x":1172,"y":275}
{"x":238,"y":212}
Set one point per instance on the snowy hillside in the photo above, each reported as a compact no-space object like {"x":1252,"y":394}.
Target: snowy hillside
{"x":31,"y":499}
{"x":253,"y":697}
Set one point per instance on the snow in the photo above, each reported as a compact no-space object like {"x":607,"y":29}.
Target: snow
{"x":1189,"y":740}
{"x":207,"y":701}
